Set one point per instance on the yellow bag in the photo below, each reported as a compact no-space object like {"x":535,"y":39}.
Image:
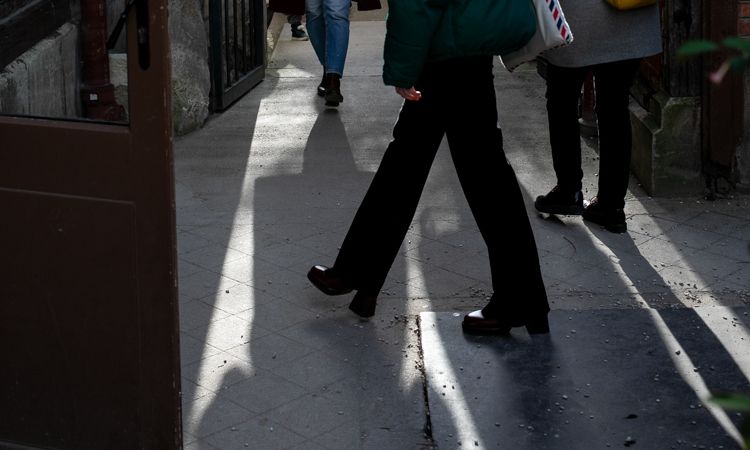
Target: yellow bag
{"x":624,"y":5}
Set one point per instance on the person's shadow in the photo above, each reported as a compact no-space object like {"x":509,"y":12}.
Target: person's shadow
{"x":320,"y":375}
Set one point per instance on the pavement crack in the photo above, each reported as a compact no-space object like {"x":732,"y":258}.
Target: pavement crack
{"x":430,"y":442}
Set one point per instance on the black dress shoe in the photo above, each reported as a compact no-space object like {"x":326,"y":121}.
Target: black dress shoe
{"x":476,"y":323}
{"x":327,"y":281}
{"x":558,"y":201}
{"x":612,"y":219}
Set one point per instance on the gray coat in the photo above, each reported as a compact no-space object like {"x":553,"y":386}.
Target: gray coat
{"x":603,"y":34}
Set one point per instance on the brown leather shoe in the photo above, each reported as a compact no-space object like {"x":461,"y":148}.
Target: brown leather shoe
{"x":323,"y":278}
{"x":476,"y":323}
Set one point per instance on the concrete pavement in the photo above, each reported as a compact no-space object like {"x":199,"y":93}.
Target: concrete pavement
{"x":269,"y":187}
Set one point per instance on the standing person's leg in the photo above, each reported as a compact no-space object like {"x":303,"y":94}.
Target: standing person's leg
{"x":383,"y":218}
{"x":336,"y":13}
{"x":563,"y":91}
{"x":476,"y":145}
{"x":613,"y":81}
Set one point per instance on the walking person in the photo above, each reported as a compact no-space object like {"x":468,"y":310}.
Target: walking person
{"x":328,"y":30}
{"x":443,"y":70}
{"x":611,"y":44}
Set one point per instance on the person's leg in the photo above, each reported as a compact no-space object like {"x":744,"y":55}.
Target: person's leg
{"x":563,"y":91}
{"x":613,"y":82}
{"x":336,"y":16}
{"x":383,"y":218}
{"x":316,"y":28}
{"x":336,"y":13}
{"x":485,"y":175}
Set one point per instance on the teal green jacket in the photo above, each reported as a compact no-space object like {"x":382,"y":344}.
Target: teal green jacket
{"x":418,"y":31}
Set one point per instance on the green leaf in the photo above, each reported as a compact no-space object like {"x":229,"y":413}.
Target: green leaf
{"x":732,"y":402}
{"x":737,"y":43}
{"x":692,"y":48}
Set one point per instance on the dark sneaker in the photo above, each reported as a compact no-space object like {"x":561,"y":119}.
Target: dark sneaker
{"x":298,"y":33}
{"x":558,"y":201}
{"x":612,"y":219}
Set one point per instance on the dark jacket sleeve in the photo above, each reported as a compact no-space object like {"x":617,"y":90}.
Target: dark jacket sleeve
{"x":290,"y":7}
{"x":409,"y":30}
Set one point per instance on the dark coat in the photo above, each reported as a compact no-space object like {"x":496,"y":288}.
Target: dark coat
{"x":298,"y":6}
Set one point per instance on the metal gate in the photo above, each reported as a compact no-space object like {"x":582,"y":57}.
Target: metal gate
{"x":237,"y":44}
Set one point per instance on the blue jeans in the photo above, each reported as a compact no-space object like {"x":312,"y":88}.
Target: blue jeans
{"x":328,"y":29}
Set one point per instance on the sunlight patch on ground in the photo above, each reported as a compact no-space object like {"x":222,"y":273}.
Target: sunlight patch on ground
{"x":732,"y":334}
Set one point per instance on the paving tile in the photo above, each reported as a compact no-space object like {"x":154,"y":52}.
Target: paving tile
{"x":212,"y":257}
{"x":240,"y":269}
{"x":282,"y":283}
{"x":212,"y":413}
{"x":218,"y":372}
{"x":228,"y":332}
{"x":679,"y":278}
{"x":279,"y":314}
{"x":185,"y":268}
{"x":649,"y":225}
{"x":718,"y":223}
{"x":238,"y":298}
{"x":741,"y":276}
{"x":286,"y":254}
{"x":559,"y":268}
{"x":348,"y":435}
{"x":690,"y":236}
{"x":660,"y":250}
{"x":187,"y":242}
{"x":439,"y":282}
{"x":316,"y":370}
{"x":263,"y":391}
{"x":308,"y":445}
{"x":191,"y":391}
{"x":194,"y":314}
{"x":311,"y":415}
{"x":198,"y":445}
{"x":203,"y":284}
{"x":256,"y":433}
{"x":729,"y":247}
{"x":194,"y":349}
{"x":271,"y":351}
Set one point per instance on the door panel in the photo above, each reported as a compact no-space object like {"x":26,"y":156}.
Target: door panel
{"x":72,"y":278}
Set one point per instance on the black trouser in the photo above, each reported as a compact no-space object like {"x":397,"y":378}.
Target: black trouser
{"x":458,"y":100}
{"x":613,"y":81}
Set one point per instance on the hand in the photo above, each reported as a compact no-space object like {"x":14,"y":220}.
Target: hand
{"x":409,"y":94}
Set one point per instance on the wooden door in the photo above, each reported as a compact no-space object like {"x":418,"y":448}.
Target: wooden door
{"x":88,"y":295}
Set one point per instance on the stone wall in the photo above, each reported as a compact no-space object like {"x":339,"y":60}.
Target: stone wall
{"x":191,"y":79}
{"x":44,"y":80}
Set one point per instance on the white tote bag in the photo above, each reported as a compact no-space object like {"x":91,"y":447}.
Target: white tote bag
{"x":552,"y":30}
